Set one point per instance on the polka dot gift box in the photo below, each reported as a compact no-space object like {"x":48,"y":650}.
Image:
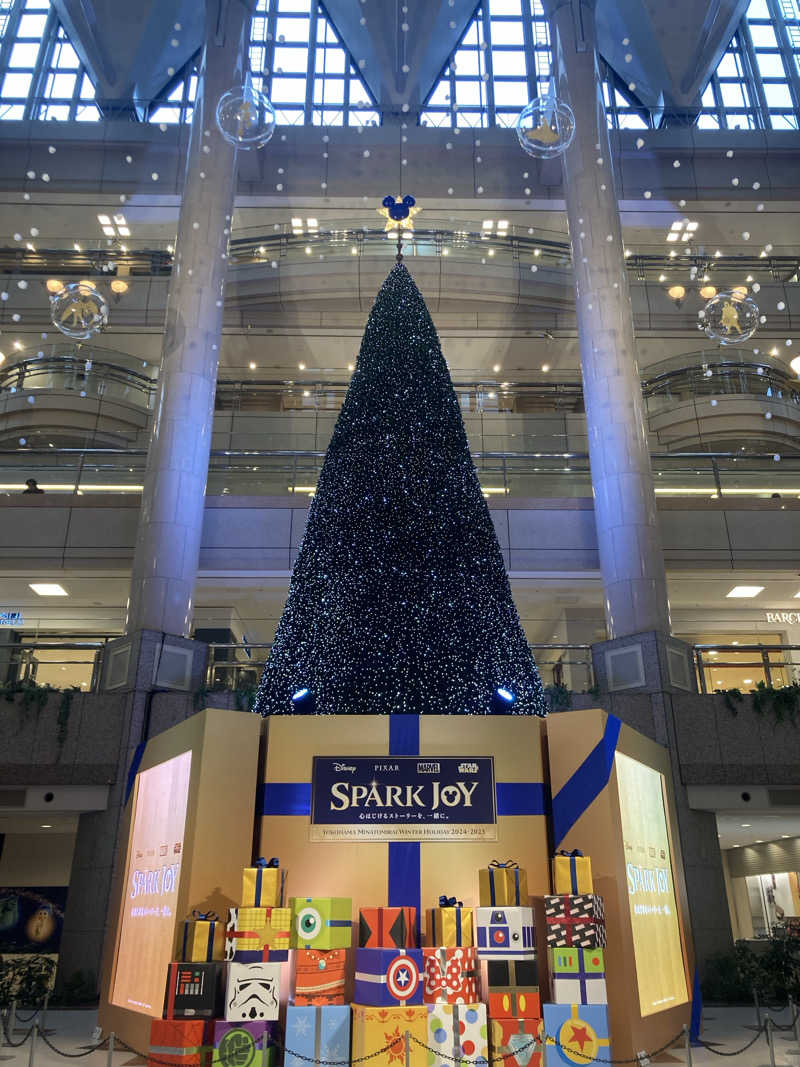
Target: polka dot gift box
{"x":451,"y":975}
{"x":457,"y":1031}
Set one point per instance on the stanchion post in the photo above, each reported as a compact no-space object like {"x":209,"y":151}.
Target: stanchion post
{"x":687,"y":1045}
{"x":770,"y":1042}
{"x":44,"y":1011}
{"x":110,"y":1054}
{"x":408,"y":1047}
{"x":12,"y":1019}
{"x":758,"y":1007}
{"x":32,"y":1049}
{"x":795,"y":1021}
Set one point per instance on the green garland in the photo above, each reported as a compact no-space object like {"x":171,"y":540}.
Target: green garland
{"x":36,"y":696}
{"x":783,"y":703}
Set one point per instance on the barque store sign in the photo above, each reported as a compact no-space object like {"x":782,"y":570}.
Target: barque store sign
{"x":403,"y":798}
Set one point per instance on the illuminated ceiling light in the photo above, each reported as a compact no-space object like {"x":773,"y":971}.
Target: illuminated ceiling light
{"x":488,"y":224}
{"x":496,"y":368}
{"x":627,"y":252}
{"x":662,"y":277}
{"x":86,"y":281}
{"x":502,"y":224}
{"x":297,"y":222}
{"x":29,"y":246}
{"x":120,"y":220}
{"x":109,"y":231}
{"x":308,"y":250}
{"x":708,"y":291}
{"x":47,"y":589}
{"x":745,"y":592}
{"x":692,"y":226}
{"x":54,"y":285}
{"x":717,"y":254}
{"x":350,"y":367}
{"x":312,"y":224}
{"x":354,"y":251}
{"x":18,"y":345}
{"x":677,"y":225}
{"x":747,"y":681}
{"x":740,"y":290}
{"x":749,"y":278}
{"x":170,"y":249}
{"x":104,"y":220}
{"x":124,"y":231}
{"x":445,"y":251}
{"x":491,"y":251}
{"x":261,"y":250}
{"x":545,"y":368}
{"x":252,"y":365}
{"x":2,"y":357}
{"x":672,"y":236}
{"x":537,"y":251}
{"x":301,"y":366}
{"x":118,"y":285}
{"x":685,"y":236}
{"x":297,"y":233}
{"x":77,"y":247}
{"x":676,"y":292}
{"x":672,"y":253}
{"x":762,"y":254}
{"x":795,"y":365}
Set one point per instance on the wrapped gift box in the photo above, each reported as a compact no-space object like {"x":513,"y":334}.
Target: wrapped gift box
{"x":452,"y":975}
{"x":319,"y":976}
{"x":252,"y":993}
{"x":193,"y":990}
{"x":513,"y":974}
{"x":572,"y":873}
{"x":253,"y":935}
{"x":575,"y":921}
{"x":505,"y":933}
{"x":457,"y":1031}
{"x":203,"y":940}
{"x":178,"y":1041}
{"x":377,"y":1028}
{"x":582,"y":1032}
{"x":318,"y":1033}
{"x":387,"y":927}
{"x":386,"y":976}
{"x":245,"y":1044}
{"x":579,"y":975}
{"x":451,"y":927}
{"x":515,"y":1041}
{"x":321,"y":922}
{"x":503,"y":884}
{"x":515,"y":1004}
{"x":263,"y":886}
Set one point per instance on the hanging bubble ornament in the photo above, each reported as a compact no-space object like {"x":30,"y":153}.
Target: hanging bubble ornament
{"x":79,"y":310}
{"x":546,"y":127}
{"x":245,"y":117}
{"x":730,"y":318}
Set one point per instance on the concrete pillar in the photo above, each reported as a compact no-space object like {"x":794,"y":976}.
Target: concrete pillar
{"x":631,"y":558}
{"x":168,"y":542}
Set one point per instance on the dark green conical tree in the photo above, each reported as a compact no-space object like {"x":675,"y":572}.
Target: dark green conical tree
{"x":399,"y":600}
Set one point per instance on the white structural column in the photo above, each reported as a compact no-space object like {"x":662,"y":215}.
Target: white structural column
{"x":628,"y":537}
{"x":168,"y":541}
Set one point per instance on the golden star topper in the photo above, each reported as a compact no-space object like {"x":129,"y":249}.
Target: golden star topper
{"x":399,"y":214}
{"x":544,"y":134}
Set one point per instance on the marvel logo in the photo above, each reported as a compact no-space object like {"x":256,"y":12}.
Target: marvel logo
{"x":428,"y":768}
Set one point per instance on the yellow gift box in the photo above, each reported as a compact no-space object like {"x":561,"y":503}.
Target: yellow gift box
{"x":450,"y":927}
{"x":263,"y":885}
{"x":503,"y":884}
{"x":572,"y":873}
{"x":203,"y":940}
{"x":271,"y":925}
{"x":377,"y":1028}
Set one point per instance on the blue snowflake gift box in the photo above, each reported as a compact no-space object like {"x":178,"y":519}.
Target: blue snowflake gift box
{"x":317,"y":1033}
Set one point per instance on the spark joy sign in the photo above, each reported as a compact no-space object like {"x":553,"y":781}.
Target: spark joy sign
{"x":403,"y":798}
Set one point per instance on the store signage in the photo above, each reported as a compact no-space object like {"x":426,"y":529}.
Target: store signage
{"x":11,"y":618}
{"x":790,"y":618}
{"x":403,"y":798}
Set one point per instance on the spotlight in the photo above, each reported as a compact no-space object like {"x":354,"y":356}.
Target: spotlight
{"x":303,"y":701}
{"x":301,"y":694}
{"x":501,"y":701}
{"x":506,"y":695}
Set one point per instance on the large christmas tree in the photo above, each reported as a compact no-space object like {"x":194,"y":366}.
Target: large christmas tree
{"x":399,"y":600}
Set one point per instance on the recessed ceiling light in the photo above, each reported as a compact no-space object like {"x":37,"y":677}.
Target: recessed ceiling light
{"x":545,"y":368}
{"x":747,"y":681}
{"x":124,"y":231}
{"x":119,"y":285}
{"x":297,"y":222}
{"x":119,"y":219}
{"x":487,"y":224}
{"x":746,"y":825}
{"x":759,"y":841}
{"x":743,"y":592}
{"x":104,"y":220}
{"x":47,"y":589}
{"x":252,"y":366}
{"x":784,"y":836}
{"x":502,"y":224}
{"x":350,"y":367}
{"x":301,"y":366}
{"x":54,"y":285}
{"x":109,"y":231}
{"x":46,"y":826}
{"x":312,"y":224}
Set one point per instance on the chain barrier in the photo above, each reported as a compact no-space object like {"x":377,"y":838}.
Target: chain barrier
{"x":543,"y":1040}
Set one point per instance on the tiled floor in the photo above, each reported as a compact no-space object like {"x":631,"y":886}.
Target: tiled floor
{"x":727,"y":1028}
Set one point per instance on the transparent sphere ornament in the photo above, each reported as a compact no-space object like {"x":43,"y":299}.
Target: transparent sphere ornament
{"x":79,"y":310}
{"x":245,"y":117}
{"x":730,"y":318}
{"x":546,"y":127}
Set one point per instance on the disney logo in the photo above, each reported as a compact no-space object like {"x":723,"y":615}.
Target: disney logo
{"x":338,"y":767}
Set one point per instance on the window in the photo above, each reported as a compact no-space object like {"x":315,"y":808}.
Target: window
{"x":41,"y":76}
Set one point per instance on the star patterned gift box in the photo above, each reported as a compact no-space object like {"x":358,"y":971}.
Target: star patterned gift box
{"x":387,"y":927}
{"x":513,"y":1042}
{"x":178,"y":1041}
{"x":505,"y":933}
{"x":317,"y":1033}
{"x":386,"y":976}
{"x":321,"y":922}
{"x":319,"y":976}
{"x":579,"y":975}
{"x":384,"y":1028}
{"x":253,"y":935}
{"x":450,"y":926}
{"x":264,"y":885}
{"x":245,"y":1044}
{"x":253,"y":992}
{"x":581,"y":1032}
{"x":503,"y":884}
{"x":203,"y":940}
{"x":575,"y":920}
{"x":451,"y":975}
{"x":457,"y":1032}
{"x":193,"y":990}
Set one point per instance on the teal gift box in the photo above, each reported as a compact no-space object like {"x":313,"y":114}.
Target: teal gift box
{"x":317,"y":1033}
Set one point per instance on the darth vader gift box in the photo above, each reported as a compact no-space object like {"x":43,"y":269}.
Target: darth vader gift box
{"x":193,"y":990}
{"x":253,"y":992}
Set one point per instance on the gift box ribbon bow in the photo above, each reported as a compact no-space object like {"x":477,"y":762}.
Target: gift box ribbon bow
{"x":508,"y":863}
{"x":450,"y":902}
{"x":205,"y":916}
{"x":566,"y":852}
{"x":274,"y":862}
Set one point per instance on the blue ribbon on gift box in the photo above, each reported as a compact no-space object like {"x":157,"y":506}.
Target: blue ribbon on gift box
{"x":587,"y":783}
